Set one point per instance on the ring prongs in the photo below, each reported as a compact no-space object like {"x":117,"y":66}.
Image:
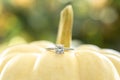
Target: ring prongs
{"x":59,"y":49}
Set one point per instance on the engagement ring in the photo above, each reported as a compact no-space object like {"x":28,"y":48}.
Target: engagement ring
{"x":59,"y":49}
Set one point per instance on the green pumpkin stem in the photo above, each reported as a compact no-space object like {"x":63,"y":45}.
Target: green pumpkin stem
{"x":65,"y":26}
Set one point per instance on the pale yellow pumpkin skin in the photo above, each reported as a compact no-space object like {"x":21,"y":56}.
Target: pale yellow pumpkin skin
{"x":32,"y":62}
{"x":113,"y":55}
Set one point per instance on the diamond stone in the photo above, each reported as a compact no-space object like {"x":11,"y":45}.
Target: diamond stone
{"x":59,"y":49}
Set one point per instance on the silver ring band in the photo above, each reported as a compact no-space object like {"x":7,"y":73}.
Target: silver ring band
{"x":59,"y":49}
{"x":56,"y":48}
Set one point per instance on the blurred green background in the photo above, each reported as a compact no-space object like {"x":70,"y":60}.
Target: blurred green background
{"x":95,"y":21}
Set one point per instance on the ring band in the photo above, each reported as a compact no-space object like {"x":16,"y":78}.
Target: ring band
{"x":59,"y":49}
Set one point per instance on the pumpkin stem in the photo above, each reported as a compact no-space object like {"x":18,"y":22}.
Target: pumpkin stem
{"x":65,"y":26}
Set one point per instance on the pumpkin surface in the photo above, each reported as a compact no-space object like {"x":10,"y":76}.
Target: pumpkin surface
{"x":34,"y":62}
{"x":113,"y":55}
